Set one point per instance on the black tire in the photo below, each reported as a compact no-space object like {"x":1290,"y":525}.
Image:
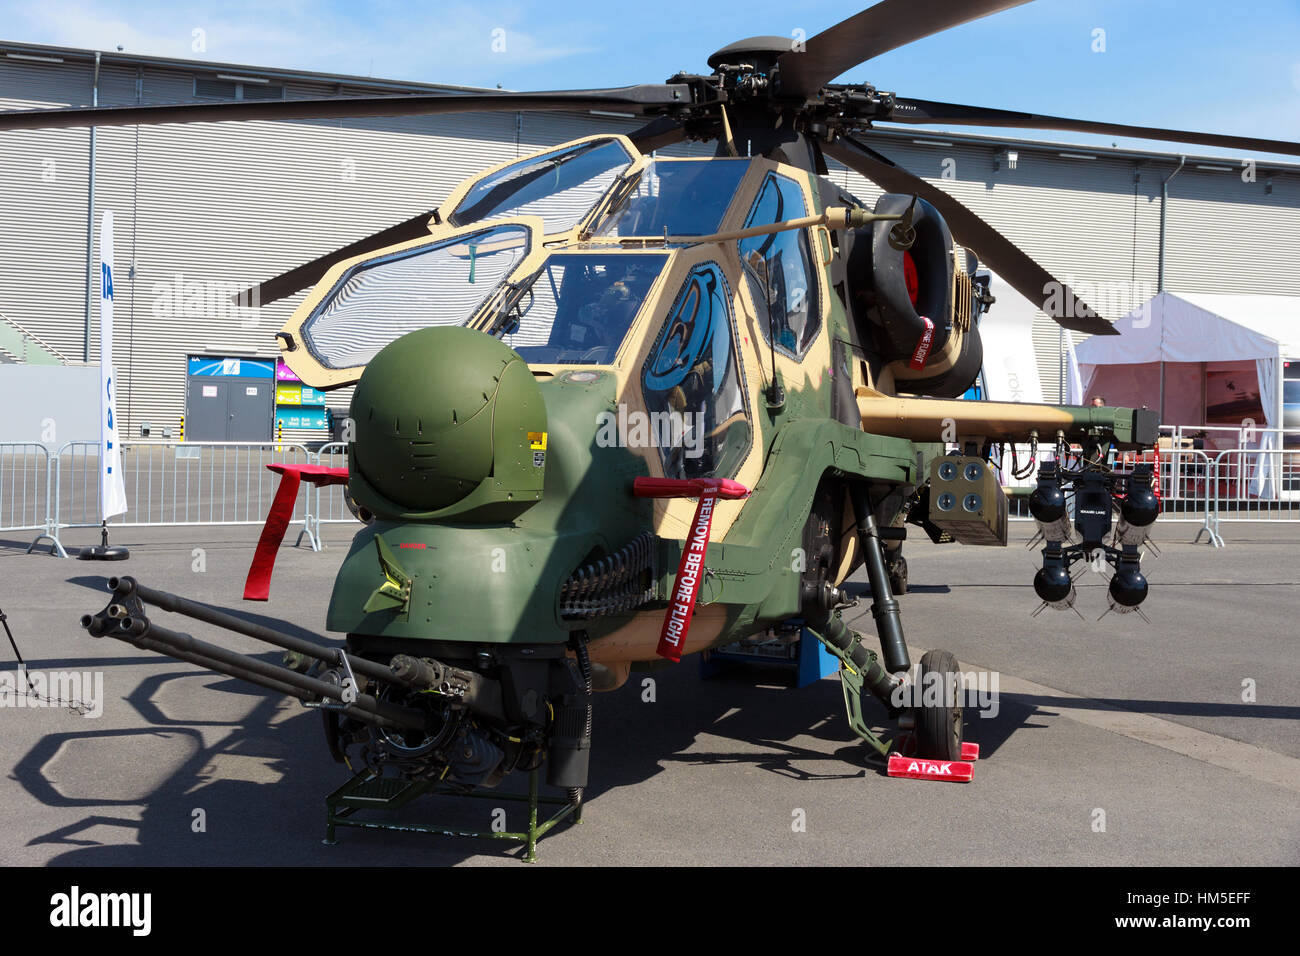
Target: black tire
{"x":938,"y":729}
{"x":954,"y":382}
{"x":898,"y":575}
{"x":900,"y":321}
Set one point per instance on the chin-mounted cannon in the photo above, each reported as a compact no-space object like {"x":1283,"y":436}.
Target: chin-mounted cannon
{"x":468,"y":723}
{"x":1098,"y":495}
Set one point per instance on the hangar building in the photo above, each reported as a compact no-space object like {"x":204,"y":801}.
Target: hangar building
{"x":203,"y":210}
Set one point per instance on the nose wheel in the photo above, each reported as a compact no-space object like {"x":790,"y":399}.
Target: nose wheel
{"x":939,"y":711}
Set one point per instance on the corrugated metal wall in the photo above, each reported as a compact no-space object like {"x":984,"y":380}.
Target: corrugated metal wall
{"x":207,"y":208}
{"x":201,"y":209}
{"x":43,"y":206}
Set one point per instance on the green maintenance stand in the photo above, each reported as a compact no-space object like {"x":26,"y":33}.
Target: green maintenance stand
{"x":370,"y":791}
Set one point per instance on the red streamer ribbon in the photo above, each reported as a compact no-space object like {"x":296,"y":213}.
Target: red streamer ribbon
{"x":257,"y":587}
{"x":690,"y":570}
{"x":923,"y":346}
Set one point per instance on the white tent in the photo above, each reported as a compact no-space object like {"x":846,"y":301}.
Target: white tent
{"x":1168,"y":346}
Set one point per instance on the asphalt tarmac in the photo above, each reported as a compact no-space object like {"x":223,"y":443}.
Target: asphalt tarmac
{"x":1107,"y":743}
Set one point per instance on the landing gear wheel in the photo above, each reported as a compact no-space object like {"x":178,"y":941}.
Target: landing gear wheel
{"x":938,"y":728}
{"x":898,"y":575}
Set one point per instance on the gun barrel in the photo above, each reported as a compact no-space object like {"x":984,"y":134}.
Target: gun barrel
{"x":934,"y":419}
{"x":230,"y":670}
{"x":127,"y":586}
{"x":124,"y":619}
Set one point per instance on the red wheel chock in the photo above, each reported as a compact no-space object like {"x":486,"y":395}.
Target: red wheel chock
{"x":923,"y":768}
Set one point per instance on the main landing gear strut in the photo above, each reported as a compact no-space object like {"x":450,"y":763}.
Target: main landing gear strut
{"x":931,"y":722}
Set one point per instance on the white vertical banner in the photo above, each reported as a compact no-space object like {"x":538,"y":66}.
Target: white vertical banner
{"x":112,"y":489}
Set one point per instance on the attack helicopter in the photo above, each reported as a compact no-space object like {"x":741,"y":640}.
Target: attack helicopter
{"x":613,"y":408}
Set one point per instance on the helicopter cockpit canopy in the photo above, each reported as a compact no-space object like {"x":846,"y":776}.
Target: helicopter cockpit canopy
{"x":440,"y":282}
{"x":677,"y":197}
{"x":549,"y":252}
{"x":577,"y":309}
{"x":560,"y":187}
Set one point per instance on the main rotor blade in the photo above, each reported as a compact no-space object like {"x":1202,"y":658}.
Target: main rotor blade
{"x":658,"y":133}
{"x":926,"y":111}
{"x":996,"y":251}
{"x":635,"y":99}
{"x":876,"y":30}
{"x":308,"y":274}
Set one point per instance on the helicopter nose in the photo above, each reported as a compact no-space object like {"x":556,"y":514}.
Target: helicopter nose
{"x":447,"y":419}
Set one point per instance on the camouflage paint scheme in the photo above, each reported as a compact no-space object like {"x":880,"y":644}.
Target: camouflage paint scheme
{"x":586,"y":506}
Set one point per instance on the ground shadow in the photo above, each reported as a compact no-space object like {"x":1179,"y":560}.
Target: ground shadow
{"x":275,"y":815}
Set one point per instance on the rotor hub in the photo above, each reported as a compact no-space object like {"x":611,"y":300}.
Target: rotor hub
{"x":758,"y":53}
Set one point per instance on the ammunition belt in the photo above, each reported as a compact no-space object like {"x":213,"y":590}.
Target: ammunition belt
{"x":617,"y":582}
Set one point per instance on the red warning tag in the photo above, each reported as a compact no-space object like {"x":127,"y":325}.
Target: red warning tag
{"x":672,"y":636}
{"x":690,"y":570}
{"x":918,"y":768}
{"x":922,"y":351}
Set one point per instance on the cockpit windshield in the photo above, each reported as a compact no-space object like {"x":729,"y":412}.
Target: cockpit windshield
{"x":561,"y":187}
{"x":682,"y":197}
{"x":577,"y":309}
{"x":439,"y":283}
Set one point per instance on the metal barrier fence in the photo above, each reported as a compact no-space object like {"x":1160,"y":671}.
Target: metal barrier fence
{"x":25,"y":492}
{"x":212,"y":483}
{"x":327,"y":504}
{"x":1209,"y":488}
{"x":331,"y":500}
{"x":1216,"y":438}
{"x":1256,"y":486}
{"x":171,"y":484}
{"x":1181,"y":480}
{"x":1185,"y":484}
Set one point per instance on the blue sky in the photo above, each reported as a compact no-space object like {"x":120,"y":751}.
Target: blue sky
{"x":1190,"y":64}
